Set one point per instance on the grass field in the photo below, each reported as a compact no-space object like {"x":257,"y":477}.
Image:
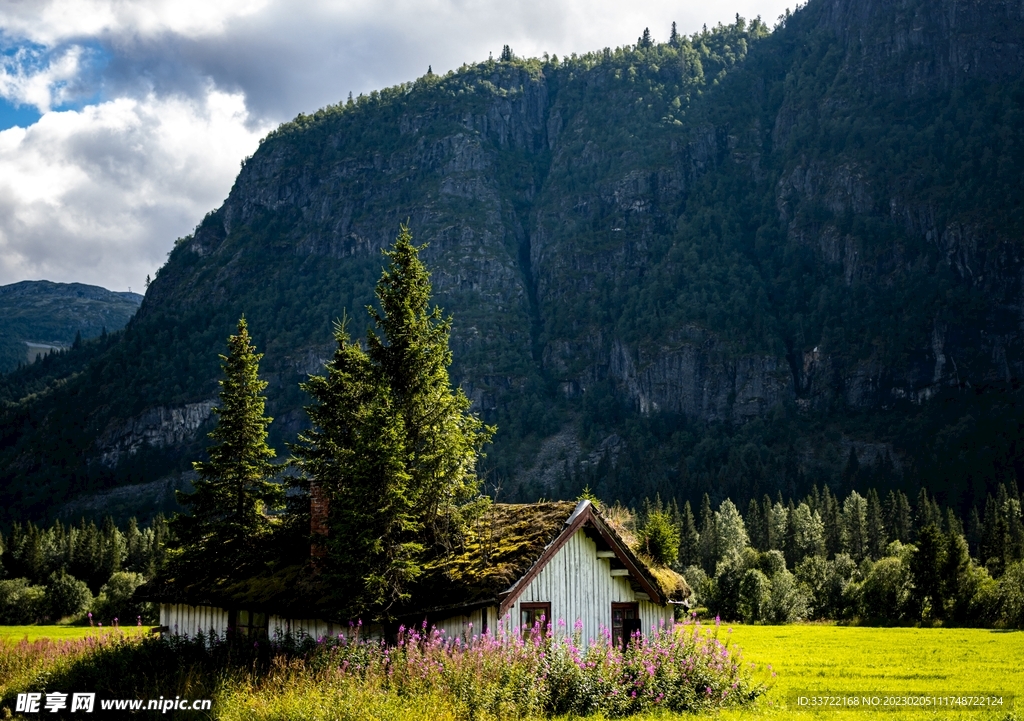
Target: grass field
{"x":810,"y":661}
{"x":61,"y":633}
{"x":836,"y":661}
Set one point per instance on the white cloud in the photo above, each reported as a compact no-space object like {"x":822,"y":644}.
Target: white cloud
{"x":98,"y":195}
{"x":50,"y":22}
{"x":22,"y":83}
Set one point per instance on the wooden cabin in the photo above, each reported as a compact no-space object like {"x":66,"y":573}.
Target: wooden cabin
{"x":561,"y":563}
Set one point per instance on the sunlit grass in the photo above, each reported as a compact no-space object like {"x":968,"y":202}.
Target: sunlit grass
{"x":808,"y":661}
{"x":838,"y":661}
{"x":58,"y":633}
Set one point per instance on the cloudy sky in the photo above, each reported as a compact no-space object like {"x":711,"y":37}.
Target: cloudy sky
{"x":123,"y":122}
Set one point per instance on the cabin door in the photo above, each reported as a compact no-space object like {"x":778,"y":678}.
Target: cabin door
{"x":625,"y":623}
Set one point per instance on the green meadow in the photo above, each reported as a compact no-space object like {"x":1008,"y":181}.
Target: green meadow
{"x":845,"y":665}
{"x":63,"y":633}
{"x":848,"y":662}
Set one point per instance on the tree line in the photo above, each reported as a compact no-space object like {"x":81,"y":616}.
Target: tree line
{"x":66,"y":571}
{"x":858,"y":558}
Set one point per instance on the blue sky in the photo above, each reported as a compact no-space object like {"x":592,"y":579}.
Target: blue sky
{"x":122,"y":122}
{"x":11,"y":114}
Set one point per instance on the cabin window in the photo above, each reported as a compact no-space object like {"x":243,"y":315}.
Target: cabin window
{"x":534,"y":615}
{"x":625,"y":623}
{"x":249,"y":624}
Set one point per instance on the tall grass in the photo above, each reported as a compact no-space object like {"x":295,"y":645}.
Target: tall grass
{"x":27,"y":663}
{"x":526,"y":674}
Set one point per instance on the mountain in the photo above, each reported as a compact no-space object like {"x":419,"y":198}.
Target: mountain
{"x":739,"y":263}
{"x":39,"y":316}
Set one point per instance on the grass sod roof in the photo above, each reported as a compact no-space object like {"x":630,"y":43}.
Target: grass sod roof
{"x":499,"y":549}
{"x":501,"y":546}
{"x":672,"y":586}
{"x":507,"y":541}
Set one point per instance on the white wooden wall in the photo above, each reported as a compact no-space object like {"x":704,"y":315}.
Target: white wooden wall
{"x":185,"y":620}
{"x":469,"y":625}
{"x":579,"y":586}
{"x":280,"y":626}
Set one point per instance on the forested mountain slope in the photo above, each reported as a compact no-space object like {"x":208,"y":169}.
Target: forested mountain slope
{"x":740,"y":262}
{"x":36,"y":316}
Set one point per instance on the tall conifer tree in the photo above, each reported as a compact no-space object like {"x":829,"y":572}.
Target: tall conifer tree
{"x":235,"y":487}
{"x":689,"y":538}
{"x":411,"y":353}
{"x":355,"y":454}
{"x":877,"y":540}
{"x":708,"y":537}
{"x":393,"y":445}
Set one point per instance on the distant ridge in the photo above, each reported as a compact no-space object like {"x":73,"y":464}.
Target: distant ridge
{"x":39,"y":315}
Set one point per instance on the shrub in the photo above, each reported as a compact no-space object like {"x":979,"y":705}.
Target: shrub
{"x":1011,"y":595}
{"x":66,"y":596}
{"x":21,"y":603}
{"x":786,"y":602}
{"x":660,"y":538}
{"x":116,"y":599}
{"x":886,"y":593}
{"x":685,"y":668}
{"x":755,"y":595}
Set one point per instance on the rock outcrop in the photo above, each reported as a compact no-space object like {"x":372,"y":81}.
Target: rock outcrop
{"x":155,"y":428}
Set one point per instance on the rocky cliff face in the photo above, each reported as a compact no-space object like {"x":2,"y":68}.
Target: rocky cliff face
{"x":155,"y":428}
{"x":912,"y":47}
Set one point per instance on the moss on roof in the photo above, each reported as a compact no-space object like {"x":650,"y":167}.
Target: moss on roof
{"x":670,"y":584}
{"x":498,"y":549}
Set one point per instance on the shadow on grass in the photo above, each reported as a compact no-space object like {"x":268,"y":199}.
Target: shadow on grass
{"x":148,"y":669}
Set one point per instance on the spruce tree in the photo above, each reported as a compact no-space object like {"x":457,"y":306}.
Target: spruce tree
{"x":410,"y":352}
{"x":834,"y":542}
{"x":926,"y":565}
{"x":393,"y":446}
{"x":355,"y":454}
{"x":928,"y":513}
{"x":708,"y":537}
{"x":877,"y":540}
{"x":659,"y":537}
{"x":689,"y":538}
{"x":956,"y":578}
{"x":855,"y":525}
{"x":974,"y":532}
{"x":994,"y":536}
{"x":897,"y":517}
{"x":673,"y":38}
{"x":789,"y":542}
{"x":755,"y":526}
{"x":227,"y":523}
{"x":1014,"y":528}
